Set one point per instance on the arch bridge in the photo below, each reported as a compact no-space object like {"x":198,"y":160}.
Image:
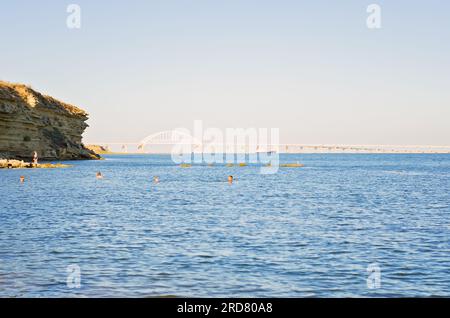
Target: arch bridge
{"x":179,"y":137}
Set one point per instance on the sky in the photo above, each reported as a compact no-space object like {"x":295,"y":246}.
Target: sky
{"x":313,"y":69}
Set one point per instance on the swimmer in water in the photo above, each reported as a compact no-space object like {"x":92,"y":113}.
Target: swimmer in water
{"x":22,"y":179}
{"x":99,"y":175}
{"x":230,"y":179}
{"x":155,"y":179}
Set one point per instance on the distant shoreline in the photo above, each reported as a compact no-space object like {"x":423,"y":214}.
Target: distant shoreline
{"x":300,"y":153}
{"x":107,"y":149}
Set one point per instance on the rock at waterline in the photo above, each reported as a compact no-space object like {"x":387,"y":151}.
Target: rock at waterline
{"x":20,"y":164}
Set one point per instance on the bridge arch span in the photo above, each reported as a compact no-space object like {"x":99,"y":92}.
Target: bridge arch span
{"x":169,"y":137}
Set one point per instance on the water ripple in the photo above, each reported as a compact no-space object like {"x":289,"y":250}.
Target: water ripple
{"x":308,"y":232}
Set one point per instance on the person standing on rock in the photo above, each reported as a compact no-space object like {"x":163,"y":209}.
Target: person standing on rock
{"x":35,"y":158}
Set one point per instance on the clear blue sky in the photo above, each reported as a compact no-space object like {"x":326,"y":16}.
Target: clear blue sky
{"x":311,"y":68}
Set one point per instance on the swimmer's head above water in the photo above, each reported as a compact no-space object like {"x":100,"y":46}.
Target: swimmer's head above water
{"x":156,"y":179}
{"x":99,"y":175}
{"x":230,"y":179}
{"x":22,"y":179}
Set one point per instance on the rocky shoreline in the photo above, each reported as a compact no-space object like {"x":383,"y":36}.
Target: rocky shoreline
{"x":20,"y":164}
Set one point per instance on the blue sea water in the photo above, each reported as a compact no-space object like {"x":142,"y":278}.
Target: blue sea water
{"x":303,"y":232}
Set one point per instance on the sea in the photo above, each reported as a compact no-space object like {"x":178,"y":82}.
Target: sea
{"x":344,"y":225}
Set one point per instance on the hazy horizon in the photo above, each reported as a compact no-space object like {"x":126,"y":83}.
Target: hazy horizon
{"x":312,"y":69}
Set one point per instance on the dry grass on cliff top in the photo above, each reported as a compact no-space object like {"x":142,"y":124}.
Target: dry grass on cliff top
{"x":26,"y":94}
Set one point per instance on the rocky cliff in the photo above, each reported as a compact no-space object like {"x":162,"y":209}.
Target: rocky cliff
{"x":30,"y":121}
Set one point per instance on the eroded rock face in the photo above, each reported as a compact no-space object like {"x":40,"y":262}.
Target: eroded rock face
{"x":30,"y":121}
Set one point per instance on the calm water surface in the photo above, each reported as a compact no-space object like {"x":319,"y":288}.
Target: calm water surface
{"x":308,"y":232}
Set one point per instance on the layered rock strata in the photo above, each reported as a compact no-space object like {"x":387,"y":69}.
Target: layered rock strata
{"x":30,"y":121}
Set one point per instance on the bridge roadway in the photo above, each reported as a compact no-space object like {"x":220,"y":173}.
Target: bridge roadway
{"x":286,"y":148}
